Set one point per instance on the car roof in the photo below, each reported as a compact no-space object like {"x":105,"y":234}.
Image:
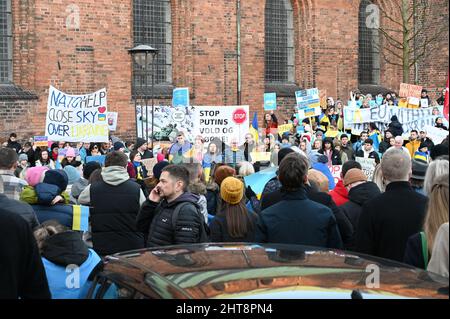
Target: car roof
{"x":245,"y":270}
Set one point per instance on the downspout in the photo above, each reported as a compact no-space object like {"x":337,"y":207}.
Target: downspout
{"x":238,"y":53}
{"x":416,"y":71}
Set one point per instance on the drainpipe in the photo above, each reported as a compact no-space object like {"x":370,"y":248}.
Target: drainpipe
{"x":238,"y":55}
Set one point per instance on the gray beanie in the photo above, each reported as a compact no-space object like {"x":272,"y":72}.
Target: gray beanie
{"x":23,"y":157}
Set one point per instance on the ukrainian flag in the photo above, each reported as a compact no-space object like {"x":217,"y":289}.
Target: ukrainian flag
{"x":80,"y":218}
{"x":254,"y":127}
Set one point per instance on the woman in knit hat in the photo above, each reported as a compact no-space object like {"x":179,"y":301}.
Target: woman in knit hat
{"x":233,"y":223}
{"x":219,"y":173}
{"x":22,"y":167}
{"x":70,"y":158}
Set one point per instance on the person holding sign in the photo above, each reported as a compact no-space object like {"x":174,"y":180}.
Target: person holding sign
{"x":425,"y":100}
{"x":270,"y":123}
{"x":368,"y":151}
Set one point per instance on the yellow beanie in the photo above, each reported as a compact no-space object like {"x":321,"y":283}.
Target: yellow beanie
{"x":232,"y":190}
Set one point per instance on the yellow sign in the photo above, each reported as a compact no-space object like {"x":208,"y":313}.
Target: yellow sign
{"x":284,"y":128}
{"x":260,"y":156}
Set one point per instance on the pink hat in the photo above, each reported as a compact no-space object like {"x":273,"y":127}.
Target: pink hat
{"x":70,"y":152}
{"x":35,"y":175}
{"x":160,"y":157}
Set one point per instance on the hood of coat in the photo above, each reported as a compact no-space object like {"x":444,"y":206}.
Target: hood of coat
{"x":198,"y":188}
{"x":115,"y":175}
{"x":213,"y":187}
{"x":340,"y":189}
{"x":66,"y":248}
{"x":185,"y":197}
{"x":363,"y":193}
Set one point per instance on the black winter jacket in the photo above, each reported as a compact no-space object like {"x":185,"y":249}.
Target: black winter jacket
{"x":298,"y":220}
{"x":335,"y":157}
{"x":19,"y":208}
{"x":113,"y":217}
{"x":388,"y":220}
{"x":155,"y":220}
{"x":22,"y":274}
{"x":344,"y":225}
{"x":357,"y":196}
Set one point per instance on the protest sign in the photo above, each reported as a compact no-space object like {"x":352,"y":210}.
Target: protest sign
{"x":270,"y":101}
{"x":168,"y":121}
{"x":149,"y":164}
{"x":424,"y":103}
{"x":77,"y":118}
{"x":307,"y":99}
{"x":180,"y":97}
{"x":411,"y":119}
{"x":413,"y":102}
{"x":224,"y":123}
{"x":368,"y":166}
{"x":410,"y":90}
{"x":41,"y":141}
{"x":437,"y":135}
{"x":112,"y":121}
{"x":311,"y":112}
{"x":260,"y":156}
{"x":284,"y":128}
{"x":98,"y":158}
{"x":336,"y":171}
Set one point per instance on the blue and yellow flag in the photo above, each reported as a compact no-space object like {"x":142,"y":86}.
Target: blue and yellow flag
{"x":254,"y":127}
{"x":80,"y":218}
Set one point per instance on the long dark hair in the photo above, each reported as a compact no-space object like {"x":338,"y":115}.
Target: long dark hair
{"x":238,"y":219}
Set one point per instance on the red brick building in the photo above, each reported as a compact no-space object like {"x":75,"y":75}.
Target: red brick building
{"x":227,"y":52}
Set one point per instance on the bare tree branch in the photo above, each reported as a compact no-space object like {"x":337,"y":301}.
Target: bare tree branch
{"x":392,"y":41}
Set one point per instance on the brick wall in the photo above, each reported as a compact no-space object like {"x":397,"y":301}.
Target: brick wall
{"x":82,"y":46}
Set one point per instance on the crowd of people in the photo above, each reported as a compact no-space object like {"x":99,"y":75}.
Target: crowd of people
{"x":195,"y":193}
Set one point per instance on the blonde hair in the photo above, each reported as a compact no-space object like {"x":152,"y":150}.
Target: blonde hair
{"x":47,"y":230}
{"x":378,"y":178}
{"x":436,"y":168}
{"x":437,"y":212}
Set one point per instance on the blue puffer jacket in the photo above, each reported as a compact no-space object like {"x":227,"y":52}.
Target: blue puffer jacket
{"x":68,"y":262}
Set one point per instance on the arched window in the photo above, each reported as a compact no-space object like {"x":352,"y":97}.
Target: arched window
{"x":279,"y":42}
{"x":5,"y":42}
{"x":152,"y":26}
{"x":369,"y":43}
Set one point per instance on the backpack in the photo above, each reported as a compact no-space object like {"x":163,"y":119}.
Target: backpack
{"x":204,"y":229}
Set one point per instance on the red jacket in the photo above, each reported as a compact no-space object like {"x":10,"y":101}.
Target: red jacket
{"x":339,"y":194}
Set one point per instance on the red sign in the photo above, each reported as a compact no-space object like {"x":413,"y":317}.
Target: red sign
{"x":239,"y":116}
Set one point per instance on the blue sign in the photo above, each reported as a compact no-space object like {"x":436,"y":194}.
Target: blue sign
{"x":270,"y":101}
{"x":180,"y":97}
{"x":379,"y":100}
{"x":372,"y":103}
{"x":98,"y":158}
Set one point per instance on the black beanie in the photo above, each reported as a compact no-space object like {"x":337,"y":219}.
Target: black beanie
{"x":140,"y":142}
{"x":157,"y":169}
{"x":438,"y":150}
{"x":88,"y":168}
{"x":283,"y":153}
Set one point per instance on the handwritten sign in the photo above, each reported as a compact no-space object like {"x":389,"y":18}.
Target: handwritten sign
{"x":307,"y":99}
{"x":368,"y":166}
{"x":77,"y":118}
{"x":260,"y":156}
{"x":410,"y":90}
{"x":284,"y":128}
{"x":41,"y":141}
{"x":270,"y":101}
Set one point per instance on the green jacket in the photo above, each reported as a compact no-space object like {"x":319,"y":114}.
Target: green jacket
{"x":29,"y":196}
